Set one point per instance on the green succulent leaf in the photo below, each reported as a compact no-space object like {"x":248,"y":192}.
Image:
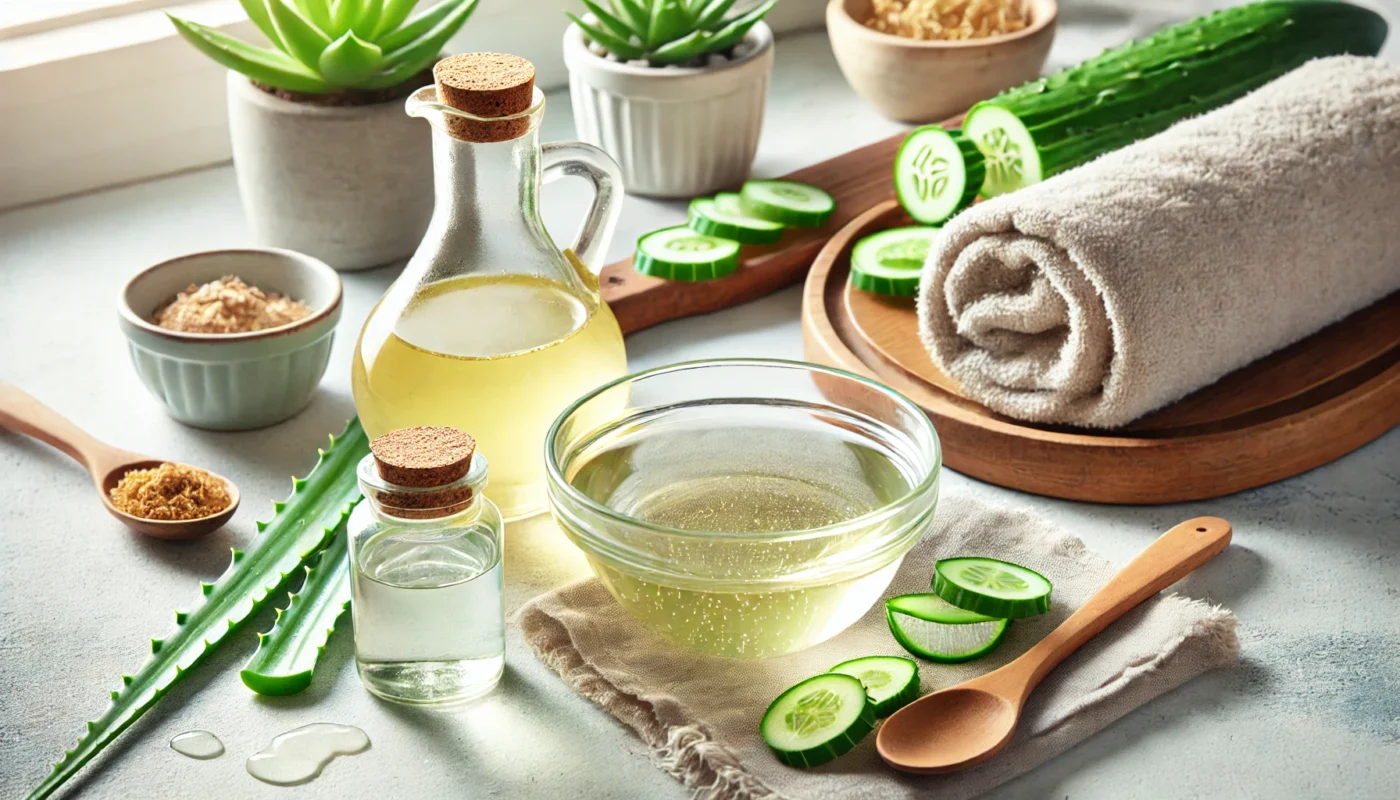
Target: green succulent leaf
{"x":414,"y":57}
{"x":304,"y":41}
{"x":686,"y":48}
{"x":420,"y":26}
{"x":694,"y":7}
{"x":367,"y":20}
{"x":635,"y":13}
{"x":257,"y":12}
{"x":713,"y":16}
{"x":350,"y":60}
{"x":344,"y":13}
{"x":392,"y":13}
{"x":287,"y":654}
{"x":317,"y":11}
{"x":734,"y":30}
{"x":608,"y":41}
{"x":264,"y":66}
{"x":318,"y":505}
{"x":669,"y":22}
{"x":614,"y":24}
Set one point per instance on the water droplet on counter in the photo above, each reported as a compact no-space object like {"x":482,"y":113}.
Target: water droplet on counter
{"x":299,"y":755}
{"x":197,"y":744}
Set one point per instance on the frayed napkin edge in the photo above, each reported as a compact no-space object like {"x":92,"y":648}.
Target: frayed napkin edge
{"x":685,"y":752}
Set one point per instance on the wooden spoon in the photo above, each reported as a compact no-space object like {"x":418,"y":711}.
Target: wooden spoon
{"x":21,"y":412}
{"x":964,"y":725}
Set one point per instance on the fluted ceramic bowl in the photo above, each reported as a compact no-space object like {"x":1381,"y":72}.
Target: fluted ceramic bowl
{"x":236,"y":381}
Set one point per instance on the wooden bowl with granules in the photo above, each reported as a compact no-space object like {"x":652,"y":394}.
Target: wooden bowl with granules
{"x":232,"y":339}
{"x":931,"y":79}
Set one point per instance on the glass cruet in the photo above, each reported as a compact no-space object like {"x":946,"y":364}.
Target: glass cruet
{"x":492,"y":328}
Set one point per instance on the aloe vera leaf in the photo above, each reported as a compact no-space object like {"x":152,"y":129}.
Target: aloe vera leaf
{"x":616,"y":25}
{"x":613,"y":44}
{"x":262,"y":65}
{"x":734,"y":30}
{"x":319,"y":503}
{"x":415,"y":56}
{"x":695,"y":7}
{"x":668,"y":23}
{"x":304,"y":41}
{"x":257,"y":12}
{"x":420,"y":25}
{"x":636,"y":14}
{"x":350,"y":60}
{"x":287,"y":654}
{"x":713,"y":15}
{"x":392,"y":13}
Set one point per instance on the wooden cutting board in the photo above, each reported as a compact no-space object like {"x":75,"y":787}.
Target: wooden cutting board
{"x":1292,"y":411}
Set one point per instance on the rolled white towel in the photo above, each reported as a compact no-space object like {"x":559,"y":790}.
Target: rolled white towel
{"x":1118,"y":287}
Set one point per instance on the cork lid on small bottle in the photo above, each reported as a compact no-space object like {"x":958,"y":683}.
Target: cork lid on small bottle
{"x":486,"y":85}
{"x":424,"y":458}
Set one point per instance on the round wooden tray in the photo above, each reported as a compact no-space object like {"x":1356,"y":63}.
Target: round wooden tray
{"x":1294,"y":410}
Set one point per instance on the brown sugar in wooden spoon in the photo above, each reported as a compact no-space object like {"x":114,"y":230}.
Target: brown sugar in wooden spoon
{"x":964,"y":725}
{"x":21,"y":412}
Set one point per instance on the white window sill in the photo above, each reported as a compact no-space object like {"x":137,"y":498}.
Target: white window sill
{"x":122,"y":99}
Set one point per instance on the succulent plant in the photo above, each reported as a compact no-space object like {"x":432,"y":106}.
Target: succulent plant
{"x":326,"y":46}
{"x":668,"y":31}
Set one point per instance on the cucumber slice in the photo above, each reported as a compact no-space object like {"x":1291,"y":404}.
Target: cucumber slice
{"x":707,"y":216}
{"x":937,"y":173}
{"x":889,"y":262}
{"x":818,"y":720}
{"x":1013,"y":161}
{"x":992,"y":587}
{"x":788,"y":202}
{"x":932,"y":628}
{"x":890,"y":682}
{"x":681,"y":254}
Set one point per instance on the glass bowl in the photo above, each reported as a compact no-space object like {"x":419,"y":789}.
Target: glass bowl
{"x":746,"y":507}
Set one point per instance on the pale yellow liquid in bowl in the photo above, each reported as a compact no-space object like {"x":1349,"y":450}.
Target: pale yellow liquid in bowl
{"x":496,"y":356}
{"x":755,"y":599}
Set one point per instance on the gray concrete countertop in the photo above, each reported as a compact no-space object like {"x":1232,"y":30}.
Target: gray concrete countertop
{"x":1312,"y":710}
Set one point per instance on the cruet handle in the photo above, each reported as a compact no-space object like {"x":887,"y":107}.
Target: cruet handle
{"x":568,"y":159}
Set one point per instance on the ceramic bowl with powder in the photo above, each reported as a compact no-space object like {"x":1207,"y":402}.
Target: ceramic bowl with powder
{"x":232,"y":339}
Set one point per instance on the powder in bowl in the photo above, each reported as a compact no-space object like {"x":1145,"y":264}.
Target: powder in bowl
{"x":170,"y":492}
{"x":228,"y":305}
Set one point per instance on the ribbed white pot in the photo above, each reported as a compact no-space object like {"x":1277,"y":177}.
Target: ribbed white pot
{"x":676,"y":132}
{"x":349,"y":185}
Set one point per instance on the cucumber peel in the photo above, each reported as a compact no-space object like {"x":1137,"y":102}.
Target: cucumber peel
{"x":319,"y":504}
{"x":992,"y":587}
{"x":935,"y":630}
{"x":287,"y":654}
{"x":891,"y":682}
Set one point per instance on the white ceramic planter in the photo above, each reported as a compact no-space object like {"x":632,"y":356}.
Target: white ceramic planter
{"x":676,"y":132}
{"x":349,"y":185}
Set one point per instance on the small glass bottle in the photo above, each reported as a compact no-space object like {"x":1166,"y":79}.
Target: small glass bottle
{"x":425,"y":554}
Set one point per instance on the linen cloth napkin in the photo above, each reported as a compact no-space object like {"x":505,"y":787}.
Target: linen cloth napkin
{"x":1122,"y":285}
{"x":699,"y":715}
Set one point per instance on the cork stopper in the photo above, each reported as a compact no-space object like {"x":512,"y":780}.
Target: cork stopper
{"x":424,"y":458}
{"x":486,"y":85}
